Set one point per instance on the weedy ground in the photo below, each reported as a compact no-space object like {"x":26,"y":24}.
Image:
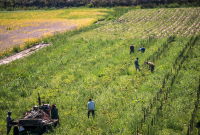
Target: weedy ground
{"x":94,"y":62}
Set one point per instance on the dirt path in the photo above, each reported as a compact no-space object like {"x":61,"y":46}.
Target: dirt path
{"x":23,"y":53}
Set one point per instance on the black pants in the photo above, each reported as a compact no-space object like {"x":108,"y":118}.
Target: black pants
{"x":89,"y":113}
{"x":152,"y":68}
{"x":8,"y":129}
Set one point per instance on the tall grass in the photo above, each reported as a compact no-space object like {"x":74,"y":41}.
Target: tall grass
{"x":86,"y":64}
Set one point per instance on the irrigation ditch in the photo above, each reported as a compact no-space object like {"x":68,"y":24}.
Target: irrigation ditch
{"x":162,"y":96}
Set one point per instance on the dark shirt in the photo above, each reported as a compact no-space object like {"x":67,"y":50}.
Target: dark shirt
{"x":136,"y":62}
{"x":9,"y":120}
{"x":131,"y":47}
{"x":54,"y":113}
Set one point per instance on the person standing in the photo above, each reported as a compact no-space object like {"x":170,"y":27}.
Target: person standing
{"x":54,"y":112}
{"x":91,"y":107}
{"x":142,"y":49}
{"x":150,"y":65}
{"x":131,"y":48}
{"x":9,"y":122}
{"x":136,"y":64}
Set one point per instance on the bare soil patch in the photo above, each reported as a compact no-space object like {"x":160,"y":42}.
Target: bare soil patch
{"x":11,"y":38}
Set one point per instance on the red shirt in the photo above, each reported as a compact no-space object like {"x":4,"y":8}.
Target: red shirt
{"x":131,"y":47}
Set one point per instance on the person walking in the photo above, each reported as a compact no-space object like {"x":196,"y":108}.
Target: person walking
{"x":91,"y":107}
{"x":150,"y":65}
{"x":142,"y":49}
{"x":136,"y":64}
{"x":131,"y":48}
{"x":9,"y":122}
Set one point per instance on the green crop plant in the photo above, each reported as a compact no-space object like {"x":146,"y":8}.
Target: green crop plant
{"x":94,"y":62}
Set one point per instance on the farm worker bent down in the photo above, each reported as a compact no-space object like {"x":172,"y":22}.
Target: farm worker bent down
{"x":9,"y":122}
{"x":131,"y":48}
{"x":150,"y":65}
{"x":142,"y":49}
{"x":136,"y":64}
{"x":91,"y":107}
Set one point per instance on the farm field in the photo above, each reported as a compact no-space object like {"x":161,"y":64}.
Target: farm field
{"x":94,"y":62}
{"x":24,"y":28}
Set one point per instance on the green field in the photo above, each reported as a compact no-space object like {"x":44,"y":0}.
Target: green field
{"x":94,"y":62}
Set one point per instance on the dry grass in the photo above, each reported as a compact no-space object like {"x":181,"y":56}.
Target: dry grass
{"x":22,"y":27}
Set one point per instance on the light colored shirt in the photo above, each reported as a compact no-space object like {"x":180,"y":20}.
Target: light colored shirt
{"x":150,"y":64}
{"x":91,"y":105}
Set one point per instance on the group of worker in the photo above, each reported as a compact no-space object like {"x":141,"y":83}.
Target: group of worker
{"x":54,"y":113}
{"x":53,"y":109}
{"x":137,"y":66}
{"x":91,"y":104}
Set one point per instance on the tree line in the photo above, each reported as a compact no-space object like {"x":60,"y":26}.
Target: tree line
{"x":89,"y":3}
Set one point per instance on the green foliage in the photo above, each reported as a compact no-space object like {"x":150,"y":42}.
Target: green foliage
{"x":94,"y":62}
{"x":91,"y":5}
{"x":173,"y":5}
{"x":10,"y":9}
{"x":16,"y":49}
{"x":32,"y":8}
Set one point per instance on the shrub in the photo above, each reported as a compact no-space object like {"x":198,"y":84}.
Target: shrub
{"x":16,"y":49}
{"x":24,"y":8}
{"x":10,"y":9}
{"x":174,"y":5}
{"x":91,"y":5}
{"x":52,"y":8}
{"x":45,"y":8}
{"x":32,"y":8}
{"x":138,"y":7}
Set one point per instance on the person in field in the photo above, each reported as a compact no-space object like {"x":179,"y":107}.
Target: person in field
{"x":150,"y":65}
{"x":91,"y":107}
{"x":54,"y":112}
{"x":142,"y":49}
{"x":136,"y":64}
{"x":9,"y":122}
{"x":131,"y":48}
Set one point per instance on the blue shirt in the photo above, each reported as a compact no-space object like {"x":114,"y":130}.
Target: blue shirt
{"x":142,"y":48}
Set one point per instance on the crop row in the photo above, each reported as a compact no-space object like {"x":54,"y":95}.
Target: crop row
{"x":157,"y":22}
{"x":159,"y":114}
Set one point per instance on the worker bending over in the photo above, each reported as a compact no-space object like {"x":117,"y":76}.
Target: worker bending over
{"x":142,"y":49}
{"x":91,"y":107}
{"x":150,"y":65}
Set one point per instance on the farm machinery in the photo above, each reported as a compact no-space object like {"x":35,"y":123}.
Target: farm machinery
{"x":36,"y":121}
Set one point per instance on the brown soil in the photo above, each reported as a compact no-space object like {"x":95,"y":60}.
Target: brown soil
{"x":11,"y":38}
